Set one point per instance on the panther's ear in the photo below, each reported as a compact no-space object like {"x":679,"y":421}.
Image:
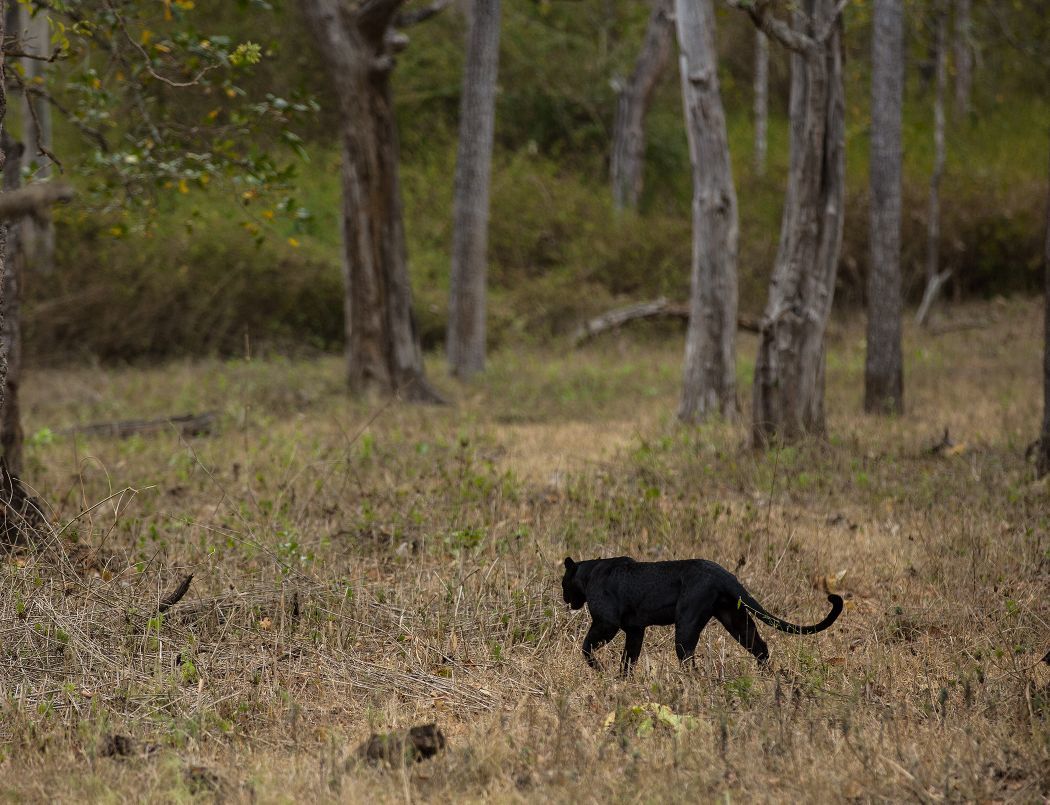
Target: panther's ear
{"x":569,"y":564}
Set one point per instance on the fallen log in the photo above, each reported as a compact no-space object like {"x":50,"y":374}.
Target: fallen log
{"x":34,"y":199}
{"x":657,"y":308}
{"x":186,"y":424}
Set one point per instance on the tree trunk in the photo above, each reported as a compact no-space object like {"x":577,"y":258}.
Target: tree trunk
{"x":709,"y":382}
{"x":934,"y":278}
{"x":883,"y":371}
{"x":761,"y":92}
{"x":11,"y":323}
{"x":628,"y":154}
{"x":3,"y":223}
{"x":466,"y":310}
{"x":37,"y":235}
{"x":1042,"y":458}
{"x":963,"y":58}
{"x":788,"y":397}
{"x":382,"y":344}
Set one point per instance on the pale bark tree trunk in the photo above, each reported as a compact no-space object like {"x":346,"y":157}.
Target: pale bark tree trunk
{"x":628,"y":154}
{"x":709,"y":382}
{"x":761,"y":101}
{"x":963,"y":58}
{"x":935,"y":278}
{"x":477,"y":117}
{"x":37,"y":235}
{"x":1042,"y":458}
{"x":884,"y":368}
{"x":11,"y":323}
{"x":382,"y":345}
{"x":788,"y":396}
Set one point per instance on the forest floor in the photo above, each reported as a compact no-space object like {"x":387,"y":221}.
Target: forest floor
{"x":368,"y":566}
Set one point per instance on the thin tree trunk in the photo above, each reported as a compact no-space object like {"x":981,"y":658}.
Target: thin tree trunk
{"x":1042,"y":459}
{"x":3,"y":223}
{"x":934,"y":278}
{"x":382,"y":344}
{"x":466,"y":313}
{"x":11,"y":323}
{"x":37,"y":235}
{"x":963,"y":58}
{"x":761,"y":92}
{"x":709,"y":382}
{"x":884,"y":368}
{"x":628,"y":154}
{"x":788,"y":396}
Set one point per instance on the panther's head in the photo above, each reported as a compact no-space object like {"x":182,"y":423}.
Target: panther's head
{"x":571,"y":588}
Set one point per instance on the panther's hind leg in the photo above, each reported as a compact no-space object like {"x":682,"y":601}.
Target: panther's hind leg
{"x":742,"y":627}
{"x":688,"y":626}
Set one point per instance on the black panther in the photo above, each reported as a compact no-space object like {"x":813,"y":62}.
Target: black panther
{"x":624,"y":594}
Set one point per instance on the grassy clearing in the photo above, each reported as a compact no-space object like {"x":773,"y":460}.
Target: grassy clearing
{"x":364,"y":566}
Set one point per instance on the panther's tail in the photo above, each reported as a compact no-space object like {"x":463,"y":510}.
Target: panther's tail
{"x":745,"y":599}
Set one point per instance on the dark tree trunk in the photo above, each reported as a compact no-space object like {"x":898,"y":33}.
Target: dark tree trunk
{"x":1042,"y":458}
{"x":382,"y":345}
{"x":3,"y":223}
{"x":628,"y":154}
{"x":11,"y":322}
{"x":477,"y":117}
{"x":788,"y":396}
{"x":884,"y":369}
{"x":761,"y":101}
{"x":709,"y":382}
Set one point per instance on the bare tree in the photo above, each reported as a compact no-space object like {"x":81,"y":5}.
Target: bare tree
{"x":935,"y":278}
{"x":37,"y":234}
{"x":709,"y":383}
{"x":761,"y":101}
{"x":788,"y":396}
{"x":358,"y":46}
{"x":884,"y":368}
{"x":466,"y":310}
{"x":1042,"y":446}
{"x":963,"y":58}
{"x":628,"y":154}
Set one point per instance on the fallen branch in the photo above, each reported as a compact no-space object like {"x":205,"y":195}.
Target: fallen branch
{"x":35,"y":199}
{"x":187,"y":425}
{"x":658,"y":308}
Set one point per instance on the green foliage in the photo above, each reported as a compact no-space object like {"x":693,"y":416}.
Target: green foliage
{"x":234,"y":246}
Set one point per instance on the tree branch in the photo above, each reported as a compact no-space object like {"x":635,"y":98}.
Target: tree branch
{"x":776,"y":28}
{"x":35,"y":199}
{"x":406,"y":19}
{"x":88,"y":131}
{"x":11,"y":53}
{"x":40,"y":147}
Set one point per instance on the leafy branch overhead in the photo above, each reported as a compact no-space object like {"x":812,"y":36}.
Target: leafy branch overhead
{"x":159,"y":96}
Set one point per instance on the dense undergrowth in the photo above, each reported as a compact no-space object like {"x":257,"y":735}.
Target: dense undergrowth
{"x":211,"y":270}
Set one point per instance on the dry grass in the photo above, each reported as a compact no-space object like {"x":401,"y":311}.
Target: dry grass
{"x":370,"y":566}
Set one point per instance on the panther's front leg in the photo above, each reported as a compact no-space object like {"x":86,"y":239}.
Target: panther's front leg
{"x":598,"y":635}
{"x":632,"y":649}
